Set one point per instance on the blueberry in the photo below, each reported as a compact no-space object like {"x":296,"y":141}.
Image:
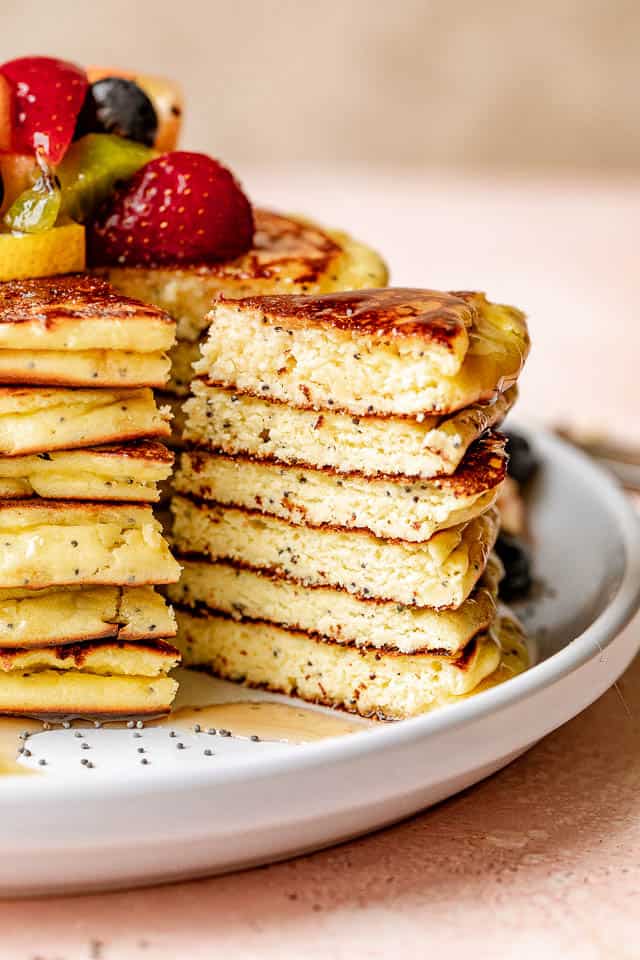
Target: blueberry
{"x":116,"y":105}
{"x":523,"y":462}
{"x":517,"y":566}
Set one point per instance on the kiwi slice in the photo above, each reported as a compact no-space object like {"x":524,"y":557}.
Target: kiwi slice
{"x":92,"y":168}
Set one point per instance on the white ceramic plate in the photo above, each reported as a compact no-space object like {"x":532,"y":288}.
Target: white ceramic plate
{"x":185,"y":814}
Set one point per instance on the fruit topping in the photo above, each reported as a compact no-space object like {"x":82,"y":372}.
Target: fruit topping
{"x":37,"y":208}
{"x":18,"y":172}
{"x":60,"y":250}
{"x":517,"y":567}
{"x":92,"y":167}
{"x":46,"y":97}
{"x":118,"y":105}
{"x":523,"y":462}
{"x":165,"y":96}
{"x":5,"y":115}
{"x":179,"y":208}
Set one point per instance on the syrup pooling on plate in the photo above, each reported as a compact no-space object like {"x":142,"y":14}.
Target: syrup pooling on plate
{"x":256,"y":720}
{"x":263,"y":719}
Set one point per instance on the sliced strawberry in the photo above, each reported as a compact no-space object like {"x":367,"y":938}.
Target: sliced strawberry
{"x":5,"y":115}
{"x":179,"y":208}
{"x":47,"y":95}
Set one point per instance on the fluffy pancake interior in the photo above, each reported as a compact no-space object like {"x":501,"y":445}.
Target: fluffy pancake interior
{"x":325,"y":367}
{"x":52,"y":542}
{"x":39,"y":419}
{"x":31,"y":618}
{"x":124,"y":472}
{"x":441,"y":572}
{"x":234,"y":423}
{"x":363,"y":681}
{"x":251,"y":595}
{"x":391,"y":507}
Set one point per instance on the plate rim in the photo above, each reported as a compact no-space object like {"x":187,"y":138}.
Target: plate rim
{"x":590,"y":643}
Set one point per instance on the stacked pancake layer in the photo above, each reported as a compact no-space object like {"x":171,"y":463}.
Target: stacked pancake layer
{"x":335,"y":506}
{"x":82,"y":630}
{"x":289,"y":255}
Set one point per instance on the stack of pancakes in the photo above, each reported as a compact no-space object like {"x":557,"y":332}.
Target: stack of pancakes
{"x":81,"y":628}
{"x":335,"y":506}
{"x":289,"y":255}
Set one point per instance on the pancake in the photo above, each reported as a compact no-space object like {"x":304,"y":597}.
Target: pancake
{"x":221,"y":419}
{"x":368,"y":682}
{"x":84,"y":368}
{"x":57,"y":543}
{"x":77,"y":331}
{"x":102,"y":657}
{"x":175,"y":405}
{"x":56,"y":694}
{"x":37,"y":618}
{"x":289,"y":255}
{"x":392,"y":351}
{"x":34,"y":420}
{"x":183,"y":357}
{"x":251,"y":595}
{"x":118,"y":472}
{"x":398,"y":507}
{"x":103,"y":679}
{"x":77,"y":313}
{"x":441,"y":572}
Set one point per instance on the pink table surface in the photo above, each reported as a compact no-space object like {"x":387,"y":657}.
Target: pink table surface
{"x":542,"y":859}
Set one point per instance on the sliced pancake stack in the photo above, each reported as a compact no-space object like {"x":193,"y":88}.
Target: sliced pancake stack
{"x":334,"y":511}
{"x":82,"y":630}
{"x":289,"y":255}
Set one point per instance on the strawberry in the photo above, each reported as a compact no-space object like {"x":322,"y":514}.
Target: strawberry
{"x":179,"y":208}
{"x":5,"y":115}
{"x":46,"y":97}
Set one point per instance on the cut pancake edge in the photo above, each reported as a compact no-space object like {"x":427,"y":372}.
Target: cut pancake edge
{"x":216,"y":506}
{"x":362,"y":374}
{"x":334,"y":612}
{"x":439,"y":572}
{"x":483,"y":467}
{"x":218,"y":419}
{"x":492,"y":574}
{"x":459,"y":658}
{"x":428,"y":420}
{"x":359,"y":681}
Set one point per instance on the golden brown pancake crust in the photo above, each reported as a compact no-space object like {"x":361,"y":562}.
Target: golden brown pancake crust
{"x":398,"y":312}
{"x":78,"y":652}
{"x":76,"y":507}
{"x":55,"y":300}
{"x":147,"y":450}
{"x":280,"y":245}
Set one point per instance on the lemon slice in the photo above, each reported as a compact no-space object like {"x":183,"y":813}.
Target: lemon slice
{"x":61,"y":250}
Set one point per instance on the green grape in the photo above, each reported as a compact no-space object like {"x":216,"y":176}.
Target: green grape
{"x":36,"y":209}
